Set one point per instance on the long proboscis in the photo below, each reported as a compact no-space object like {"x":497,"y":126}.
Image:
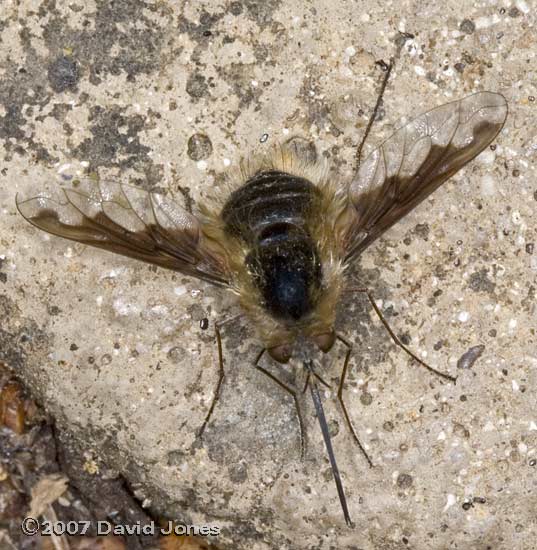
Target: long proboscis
{"x":327,"y":441}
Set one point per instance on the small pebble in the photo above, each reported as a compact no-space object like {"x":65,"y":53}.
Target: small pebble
{"x":468,"y":358}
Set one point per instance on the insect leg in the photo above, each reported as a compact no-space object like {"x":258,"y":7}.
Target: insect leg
{"x":308,"y":374}
{"x":307,"y":383}
{"x":221,"y":373}
{"x":375,"y":111}
{"x":397,"y":340}
{"x":292,"y":393}
{"x":340,"y":396}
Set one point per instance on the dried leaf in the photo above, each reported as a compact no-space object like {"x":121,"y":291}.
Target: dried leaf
{"x":12,"y":407}
{"x":47,"y":491}
{"x":182,"y":543}
{"x":110,"y":542}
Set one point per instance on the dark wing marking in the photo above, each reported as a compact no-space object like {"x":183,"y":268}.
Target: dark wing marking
{"x":417,"y":159}
{"x":130,"y":221}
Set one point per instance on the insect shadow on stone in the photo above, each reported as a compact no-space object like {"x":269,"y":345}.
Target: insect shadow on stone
{"x":283,"y":233}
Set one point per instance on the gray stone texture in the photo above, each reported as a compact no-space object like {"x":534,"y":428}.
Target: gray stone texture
{"x":172,"y":94}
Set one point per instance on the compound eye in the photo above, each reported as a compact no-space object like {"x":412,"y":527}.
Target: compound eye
{"x":281,"y":353}
{"x":325,"y":340}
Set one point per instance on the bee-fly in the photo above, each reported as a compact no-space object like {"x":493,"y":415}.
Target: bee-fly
{"x":285,"y":231}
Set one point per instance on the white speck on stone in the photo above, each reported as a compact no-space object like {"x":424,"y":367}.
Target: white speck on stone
{"x":365,"y":17}
{"x":350,"y":51}
{"x":489,"y":427}
{"x":254,"y":83}
{"x":451,"y":500}
{"x":69,"y":252}
{"x":179,"y":290}
{"x":420,"y":71}
{"x":463,"y":316}
{"x":195,"y":293}
{"x":84,"y":163}
{"x":141,"y":348}
{"x":514,"y":385}
{"x":485,"y":22}
{"x":532,"y":427}
{"x":522,"y":6}
{"x":124,"y":308}
{"x":441,"y":436}
{"x":99,"y":300}
{"x":487,"y":156}
{"x":513,"y":323}
{"x":515,"y":217}
{"x":63,"y":168}
{"x":113,"y":273}
{"x":285,"y":131}
{"x":226,"y":162}
{"x":159,"y":310}
{"x":202,"y":165}
{"x":522,"y":448}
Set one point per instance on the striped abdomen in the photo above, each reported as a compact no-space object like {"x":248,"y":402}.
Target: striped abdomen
{"x":269,"y":214}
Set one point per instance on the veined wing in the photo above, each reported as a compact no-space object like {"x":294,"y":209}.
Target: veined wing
{"x":416,"y":160}
{"x":127,"y":220}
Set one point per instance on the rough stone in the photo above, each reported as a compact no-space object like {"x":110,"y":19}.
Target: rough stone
{"x":113,"y":348}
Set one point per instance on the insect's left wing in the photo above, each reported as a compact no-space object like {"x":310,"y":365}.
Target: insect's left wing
{"x":414,"y":161}
{"x":127,"y":220}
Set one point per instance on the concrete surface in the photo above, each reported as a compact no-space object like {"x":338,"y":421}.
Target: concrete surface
{"x":171,"y":94}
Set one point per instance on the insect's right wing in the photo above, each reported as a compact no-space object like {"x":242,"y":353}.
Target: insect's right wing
{"x":414,"y":161}
{"x":130,"y":221}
